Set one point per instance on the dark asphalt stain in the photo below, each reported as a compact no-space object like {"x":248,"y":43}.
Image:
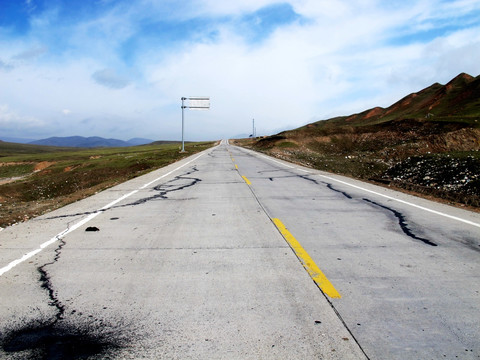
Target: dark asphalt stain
{"x":402,"y":222}
{"x":59,"y":341}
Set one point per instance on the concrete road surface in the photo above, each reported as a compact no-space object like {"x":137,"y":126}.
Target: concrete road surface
{"x":230,"y":254}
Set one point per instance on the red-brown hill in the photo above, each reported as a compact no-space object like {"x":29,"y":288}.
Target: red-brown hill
{"x":458,"y":98}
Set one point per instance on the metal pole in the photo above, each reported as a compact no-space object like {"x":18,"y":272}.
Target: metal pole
{"x":183,"y":110}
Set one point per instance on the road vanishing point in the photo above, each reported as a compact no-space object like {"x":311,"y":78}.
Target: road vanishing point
{"x":231,"y":254}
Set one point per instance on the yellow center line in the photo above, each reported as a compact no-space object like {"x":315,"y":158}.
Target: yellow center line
{"x":246,"y":180}
{"x":313,"y":270}
{"x":236,"y":167}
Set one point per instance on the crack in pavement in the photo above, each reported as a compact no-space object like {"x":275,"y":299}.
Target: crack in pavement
{"x":330,"y":186}
{"x":163,"y":191}
{"x":167,"y":188}
{"x":47,"y":284}
{"x":402,"y":222}
{"x":401,"y":218}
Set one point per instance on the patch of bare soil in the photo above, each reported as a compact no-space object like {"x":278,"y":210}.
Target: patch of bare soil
{"x":43,"y":165}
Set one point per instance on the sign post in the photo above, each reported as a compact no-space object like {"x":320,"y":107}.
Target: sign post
{"x":194,"y":103}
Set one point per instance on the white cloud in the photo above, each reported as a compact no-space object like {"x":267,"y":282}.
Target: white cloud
{"x":11,"y":121}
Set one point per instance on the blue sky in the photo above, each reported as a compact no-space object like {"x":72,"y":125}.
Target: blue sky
{"x":118,"y":69}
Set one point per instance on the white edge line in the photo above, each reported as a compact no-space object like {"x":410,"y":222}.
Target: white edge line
{"x":18,"y":261}
{"x":403,"y":202}
{"x":385,"y":196}
{"x":278,"y":162}
{"x":82,"y":222}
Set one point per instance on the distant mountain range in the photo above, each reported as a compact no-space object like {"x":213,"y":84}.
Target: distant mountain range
{"x":89,"y":142}
{"x":15,"y":140}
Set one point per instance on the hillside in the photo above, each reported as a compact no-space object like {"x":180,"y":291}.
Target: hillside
{"x":428,"y":142}
{"x":459,"y":98}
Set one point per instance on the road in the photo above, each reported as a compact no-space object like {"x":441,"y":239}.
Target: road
{"x":230,"y":254}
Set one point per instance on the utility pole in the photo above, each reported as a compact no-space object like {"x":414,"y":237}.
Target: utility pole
{"x":253,"y":128}
{"x":183,"y":116}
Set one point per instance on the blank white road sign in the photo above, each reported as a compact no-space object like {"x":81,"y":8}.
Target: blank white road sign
{"x":199,"y":103}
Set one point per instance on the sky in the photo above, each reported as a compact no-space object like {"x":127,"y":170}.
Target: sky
{"x":119,"y":68}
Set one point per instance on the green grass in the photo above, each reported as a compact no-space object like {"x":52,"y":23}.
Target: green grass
{"x":8,"y":171}
{"x":287,"y":144}
{"x":74,"y":173}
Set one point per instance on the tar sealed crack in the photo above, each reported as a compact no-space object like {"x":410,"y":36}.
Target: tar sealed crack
{"x":47,"y":284}
{"x":163,"y":190}
{"x":403,"y":223}
{"x":330,"y":186}
{"x":178,"y":183}
{"x":305,"y":177}
{"x":401,"y":218}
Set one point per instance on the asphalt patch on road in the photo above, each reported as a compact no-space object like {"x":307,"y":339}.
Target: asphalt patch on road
{"x":92,"y":228}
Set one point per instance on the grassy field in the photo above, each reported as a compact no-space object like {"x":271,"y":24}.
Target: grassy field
{"x":38,"y":179}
